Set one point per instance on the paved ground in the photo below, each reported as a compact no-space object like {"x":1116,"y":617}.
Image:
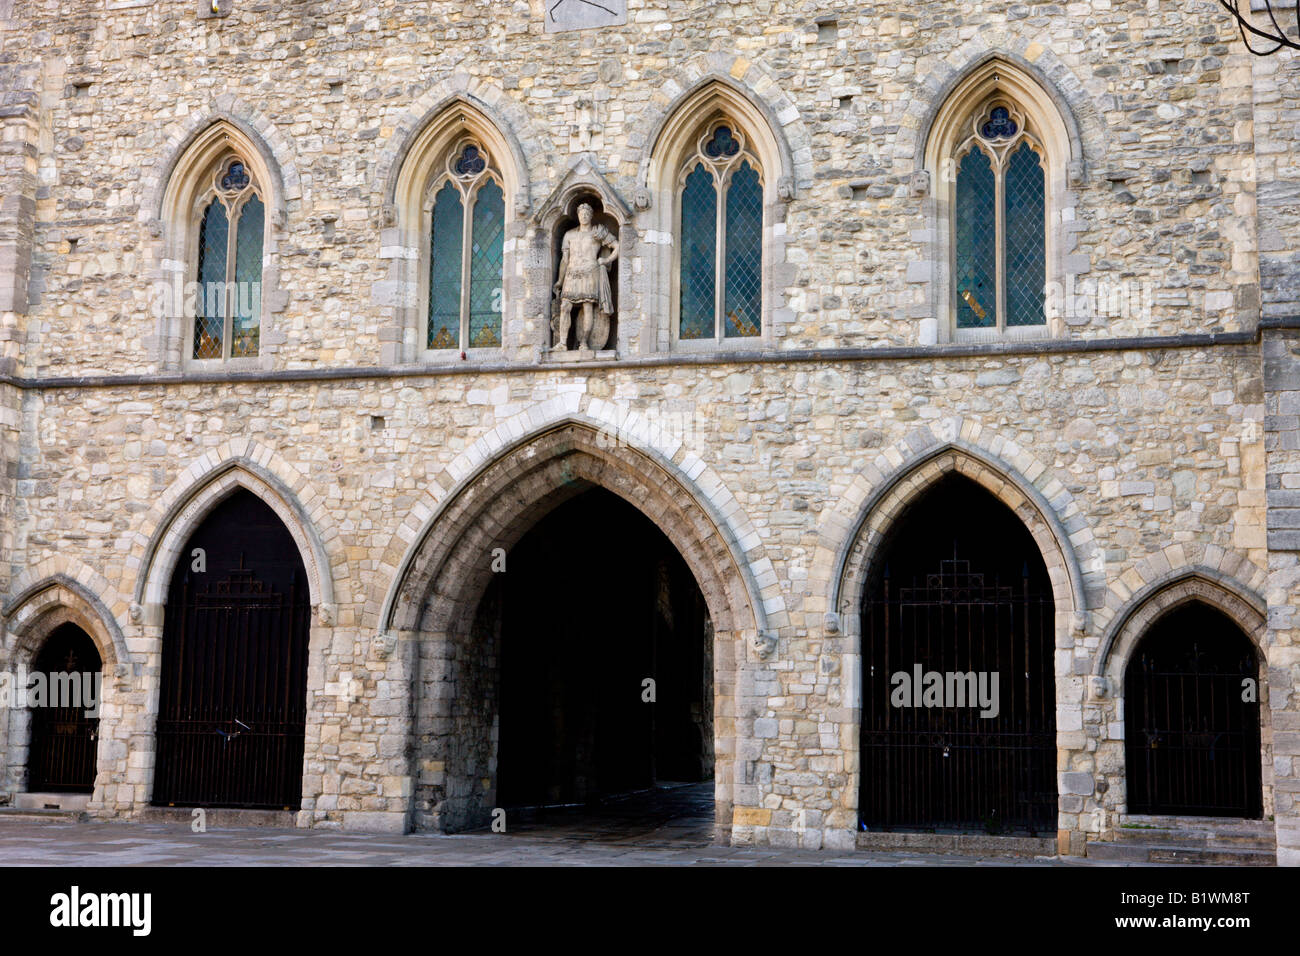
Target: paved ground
{"x":661,"y":829}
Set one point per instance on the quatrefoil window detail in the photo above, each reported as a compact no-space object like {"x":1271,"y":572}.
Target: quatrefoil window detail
{"x":236,"y":177}
{"x":999,"y":125}
{"x":470,"y":162}
{"x":722,"y":145}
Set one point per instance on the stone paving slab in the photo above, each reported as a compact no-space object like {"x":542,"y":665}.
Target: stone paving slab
{"x":129,"y":844}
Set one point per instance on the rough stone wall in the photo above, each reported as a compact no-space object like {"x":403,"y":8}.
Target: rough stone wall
{"x":1151,"y":456}
{"x":20,"y":80}
{"x":1277,"y":126}
{"x":1163,"y":460}
{"x":1162,"y":101}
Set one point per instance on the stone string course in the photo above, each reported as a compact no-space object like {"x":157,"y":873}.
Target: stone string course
{"x":1138,"y":471}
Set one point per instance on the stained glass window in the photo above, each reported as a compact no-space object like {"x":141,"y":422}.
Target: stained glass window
{"x":471,"y":162}
{"x":445,"y":269}
{"x":486,"y":253}
{"x":699,"y":255}
{"x":999,"y":125}
{"x":999,"y":226}
{"x":722,"y":144}
{"x":248,"y":277}
{"x":976,"y":228}
{"x":744,"y":285}
{"x":1025,"y":238}
{"x":231,"y":241}
{"x":720,"y":277}
{"x":236,"y":177}
{"x":210,"y":302}
{"x":467,"y":253}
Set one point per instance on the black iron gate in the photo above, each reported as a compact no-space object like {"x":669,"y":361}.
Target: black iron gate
{"x":932,"y":759}
{"x":64,"y":738}
{"x":1192,"y":709}
{"x":234,"y":689}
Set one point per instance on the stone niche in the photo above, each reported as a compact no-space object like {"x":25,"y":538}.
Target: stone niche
{"x":556,"y":217}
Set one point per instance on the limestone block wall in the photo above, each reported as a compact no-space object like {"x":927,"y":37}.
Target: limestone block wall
{"x":1139,"y":445}
{"x":788,"y":455}
{"x":1278,"y":190}
{"x":1158,"y":101}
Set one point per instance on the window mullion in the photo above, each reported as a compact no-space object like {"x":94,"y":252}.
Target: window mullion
{"x":1000,"y":232}
{"x":720,"y":260}
{"x":466,"y":245}
{"x":229,"y":294}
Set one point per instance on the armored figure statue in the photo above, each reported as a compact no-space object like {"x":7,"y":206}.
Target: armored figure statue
{"x":584,"y":281}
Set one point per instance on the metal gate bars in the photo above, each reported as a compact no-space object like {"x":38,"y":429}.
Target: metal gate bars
{"x":1192,"y":710}
{"x":64,"y":738}
{"x":232,"y":716}
{"x":959,"y":705}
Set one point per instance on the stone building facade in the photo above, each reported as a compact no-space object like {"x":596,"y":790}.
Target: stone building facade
{"x":1147,"y":435}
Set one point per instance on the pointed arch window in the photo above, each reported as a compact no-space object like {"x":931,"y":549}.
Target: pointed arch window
{"x":720,"y":238}
{"x":465,"y":210}
{"x":999,"y":223}
{"x":231,"y":224}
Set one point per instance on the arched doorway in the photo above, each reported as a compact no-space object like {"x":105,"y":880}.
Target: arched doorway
{"x":605,"y":660}
{"x":232,"y":708}
{"x":64,"y":696}
{"x":1192,"y":718}
{"x":450,"y":569}
{"x":959,"y":697}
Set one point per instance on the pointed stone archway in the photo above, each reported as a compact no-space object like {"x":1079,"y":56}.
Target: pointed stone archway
{"x":448,"y":571}
{"x":892,"y":497}
{"x":51,"y":605}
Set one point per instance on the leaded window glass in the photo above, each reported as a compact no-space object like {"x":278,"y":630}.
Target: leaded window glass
{"x":720,"y":266}
{"x":976,"y":241}
{"x":248,"y":278}
{"x":467,"y":217}
{"x":1000,"y":224}
{"x":489,"y":232}
{"x":231,"y":244}
{"x":444,"y":268}
{"x":210,"y":303}
{"x":1025,"y":223}
{"x":699,"y":254}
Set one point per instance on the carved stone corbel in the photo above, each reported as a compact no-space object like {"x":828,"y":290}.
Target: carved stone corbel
{"x":388,"y":215}
{"x":641,"y":198}
{"x":1100,"y":687}
{"x":384,"y":644}
{"x":831,"y":621}
{"x":785,"y":188}
{"x":764,"y":644}
{"x":135,"y":612}
{"x":521,"y":204}
{"x":920,"y":183}
{"x":1074,"y":172}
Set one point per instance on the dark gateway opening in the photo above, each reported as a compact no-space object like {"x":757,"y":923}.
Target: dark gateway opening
{"x":233,"y":702}
{"x":64,"y":738}
{"x":959,"y":606}
{"x":1191,"y":705}
{"x":595,"y":602}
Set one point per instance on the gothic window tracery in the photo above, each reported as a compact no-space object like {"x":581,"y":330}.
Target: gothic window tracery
{"x":720,"y":277}
{"x":231,"y":240}
{"x":465,"y":211}
{"x":999,"y":222}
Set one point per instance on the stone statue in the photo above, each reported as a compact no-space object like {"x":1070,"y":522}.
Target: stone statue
{"x":584,"y":281}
